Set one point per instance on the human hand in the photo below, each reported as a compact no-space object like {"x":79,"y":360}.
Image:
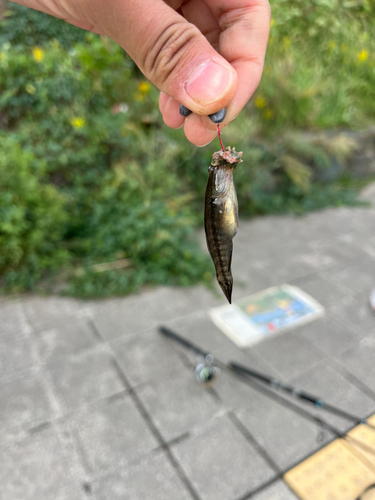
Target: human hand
{"x":204,"y":54}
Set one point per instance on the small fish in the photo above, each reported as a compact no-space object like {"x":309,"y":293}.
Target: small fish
{"x":221,"y":215}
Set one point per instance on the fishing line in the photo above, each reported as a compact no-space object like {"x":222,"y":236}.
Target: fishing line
{"x":266,"y":390}
{"x":219,"y":134}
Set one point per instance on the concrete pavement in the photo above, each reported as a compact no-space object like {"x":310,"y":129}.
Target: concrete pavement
{"x":94,"y":404}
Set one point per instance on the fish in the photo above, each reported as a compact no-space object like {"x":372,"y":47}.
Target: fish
{"x":221,"y":215}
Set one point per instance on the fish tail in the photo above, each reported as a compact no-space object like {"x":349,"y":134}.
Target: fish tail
{"x":226,"y":284}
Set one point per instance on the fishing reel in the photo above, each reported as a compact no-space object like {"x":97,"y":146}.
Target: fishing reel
{"x":206,"y":372}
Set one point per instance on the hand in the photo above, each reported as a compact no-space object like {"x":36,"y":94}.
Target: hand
{"x":204,"y":54}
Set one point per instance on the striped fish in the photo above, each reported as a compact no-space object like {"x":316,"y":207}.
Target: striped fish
{"x":221,"y":215}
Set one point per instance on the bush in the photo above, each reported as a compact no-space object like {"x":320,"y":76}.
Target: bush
{"x":99,"y":198}
{"x":81,"y":125}
{"x":32,"y":218}
{"x":320,"y":67}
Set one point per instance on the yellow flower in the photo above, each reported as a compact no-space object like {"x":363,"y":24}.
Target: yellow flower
{"x":287,"y":41}
{"x":260,"y":102}
{"x":38,"y":54}
{"x":268,"y":114}
{"x":332,"y":44}
{"x":77,"y":122}
{"x":144,"y":87}
{"x":362,"y":55}
{"x":139,"y":97}
{"x":272,"y":22}
{"x":30,"y":88}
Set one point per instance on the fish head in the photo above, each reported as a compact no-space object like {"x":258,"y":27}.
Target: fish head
{"x":228,"y":158}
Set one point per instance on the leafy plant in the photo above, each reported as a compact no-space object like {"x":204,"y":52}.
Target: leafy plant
{"x":97,"y":197}
{"x":32,"y":218}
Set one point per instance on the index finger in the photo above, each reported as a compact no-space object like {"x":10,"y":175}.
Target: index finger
{"x":245,"y":28}
{"x":243,"y":40}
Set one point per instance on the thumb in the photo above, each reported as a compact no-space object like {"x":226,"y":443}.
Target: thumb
{"x":172,"y":53}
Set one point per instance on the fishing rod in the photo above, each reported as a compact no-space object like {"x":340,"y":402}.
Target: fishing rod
{"x":298,"y":394}
{"x":270,"y":381}
{"x":267,"y":390}
{"x":265,"y":385}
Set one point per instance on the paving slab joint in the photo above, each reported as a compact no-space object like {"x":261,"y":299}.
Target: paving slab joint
{"x":354,"y":380}
{"x":250,"y":438}
{"x":260,"y":488}
{"x":151,"y":425}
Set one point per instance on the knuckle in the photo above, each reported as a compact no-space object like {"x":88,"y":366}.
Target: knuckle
{"x":162,"y":58}
{"x":245,"y":15}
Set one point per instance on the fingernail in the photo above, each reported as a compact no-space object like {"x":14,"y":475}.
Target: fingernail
{"x":208,"y":83}
{"x":213,"y":132}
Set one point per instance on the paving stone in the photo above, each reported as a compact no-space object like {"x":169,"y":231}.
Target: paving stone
{"x":285,"y":435}
{"x":362,"y":220}
{"x":259,"y":239}
{"x":322,"y":289}
{"x":277,"y":491}
{"x":318,"y":255}
{"x":40,"y":309}
{"x":83,"y":378}
{"x":151,"y":478}
{"x":329,"y":335}
{"x":63,"y":336}
{"x":289,"y":354}
{"x":205,"y":298}
{"x":17,"y":354}
{"x":355,"y":248}
{"x":358,"y":277}
{"x":146,"y":356}
{"x":360,"y":362}
{"x":112,"y":433}
{"x":36,"y":468}
{"x":24,"y":404}
{"x":220,"y":463}
{"x":199,"y":329}
{"x":369,"y":246}
{"x":142,"y":312}
{"x":329,"y":385}
{"x":233,"y":392}
{"x":330,"y":254}
{"x":12,"y":317}
{"x":247,"y":280}
{"x":178,"y":403}
{"x":348,"y":220}
{"x":247,"y":357}
{"x":355,"y":313}
{"x":277,"y":273}
{"x":362,"y":243}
